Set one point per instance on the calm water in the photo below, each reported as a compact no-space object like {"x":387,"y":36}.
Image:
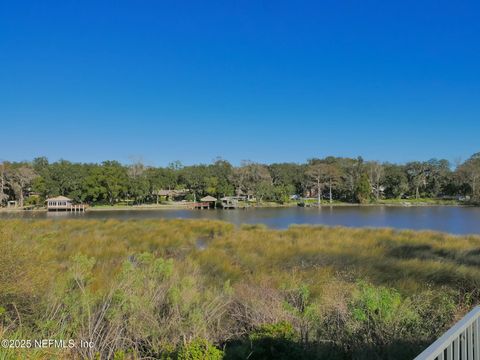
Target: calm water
{"x":456,"y":220}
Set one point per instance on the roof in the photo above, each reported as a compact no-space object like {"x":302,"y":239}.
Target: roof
{"x":59,"y":198}
{"x":208,"y":198}
{"x":163,"y":192}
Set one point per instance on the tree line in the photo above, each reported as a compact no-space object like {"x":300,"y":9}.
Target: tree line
{"x":327,"y":179}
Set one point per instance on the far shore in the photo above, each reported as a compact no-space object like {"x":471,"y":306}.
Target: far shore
{"x":187,"y":206}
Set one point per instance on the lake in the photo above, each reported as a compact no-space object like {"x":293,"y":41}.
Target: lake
{"x":451,"y":219}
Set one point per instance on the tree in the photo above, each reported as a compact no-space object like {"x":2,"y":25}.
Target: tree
{"x":322,"y":174}
{"x":288,"y":174}
{"x":265,"y":191}
{"x":194,"y":178}
{"x":3,"y":184}
{"x":138,"y":185}
{"x":395,"y":181}
{"x":375,"y":173}
{"x":352,"y":170}
{"x":20,"y":179}
{"x":363,"y":190}
{"x":281,"y":193}
{"x":469,"y":173}
{"x":65,"y":178}
{"x":417,"y":175}
{"x":93,"y":186}
{"x":438,"y":177}
{"x":237,"y":178}
{"x":332,"y":176}
{"x":114,"y":180}
{"x":219,"y":182}
{"x":161,"y":178}
{"x":318,"y":173}
{"x":251,"y":178}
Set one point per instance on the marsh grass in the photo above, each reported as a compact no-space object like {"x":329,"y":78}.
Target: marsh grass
{"x":318,"y":279}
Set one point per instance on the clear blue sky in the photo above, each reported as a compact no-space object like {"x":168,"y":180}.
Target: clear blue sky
{"x":261,"y":80}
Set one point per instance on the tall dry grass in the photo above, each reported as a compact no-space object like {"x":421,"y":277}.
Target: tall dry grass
{"x":227,"y":282}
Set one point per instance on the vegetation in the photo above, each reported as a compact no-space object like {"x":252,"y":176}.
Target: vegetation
{"x":147,"y":289}
{"x":335,"y":179}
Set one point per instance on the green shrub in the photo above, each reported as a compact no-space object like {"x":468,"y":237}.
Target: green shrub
{"x":381,"y":319}
{"x":379,"y":305}
{"x":281,"y":330}
{"x":199,"y":349}
{"x":363,"y":190}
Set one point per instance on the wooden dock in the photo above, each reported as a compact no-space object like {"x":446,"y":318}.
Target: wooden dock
{"x":201,"y":205}
{"x":227,"y":206}
{"x":72,"y":208}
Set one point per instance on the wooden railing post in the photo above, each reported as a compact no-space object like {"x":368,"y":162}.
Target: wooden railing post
{"x":461,"y":342}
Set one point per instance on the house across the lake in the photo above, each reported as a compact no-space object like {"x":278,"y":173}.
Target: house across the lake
{"x":62,"y":203}
{"x":171,"y":195}
{"x":229,"y":202}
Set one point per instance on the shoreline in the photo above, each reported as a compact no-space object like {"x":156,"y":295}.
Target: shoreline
{"x":256,"y":206}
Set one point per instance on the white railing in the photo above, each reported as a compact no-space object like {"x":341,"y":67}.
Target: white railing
{"x":461,"y":342}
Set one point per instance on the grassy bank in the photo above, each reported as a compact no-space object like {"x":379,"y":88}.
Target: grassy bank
{"x":422,"y":201}
{"x":294,"y":203}
{"x":166,"y":206}
{"x":175,"y":288}
{"x":266,"y":204}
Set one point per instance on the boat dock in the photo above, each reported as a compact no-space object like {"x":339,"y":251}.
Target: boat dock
{"x":201,"y":205}
{"x":62,"y":203}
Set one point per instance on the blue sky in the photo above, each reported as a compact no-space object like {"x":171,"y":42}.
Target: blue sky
{"x":267,"y":81}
